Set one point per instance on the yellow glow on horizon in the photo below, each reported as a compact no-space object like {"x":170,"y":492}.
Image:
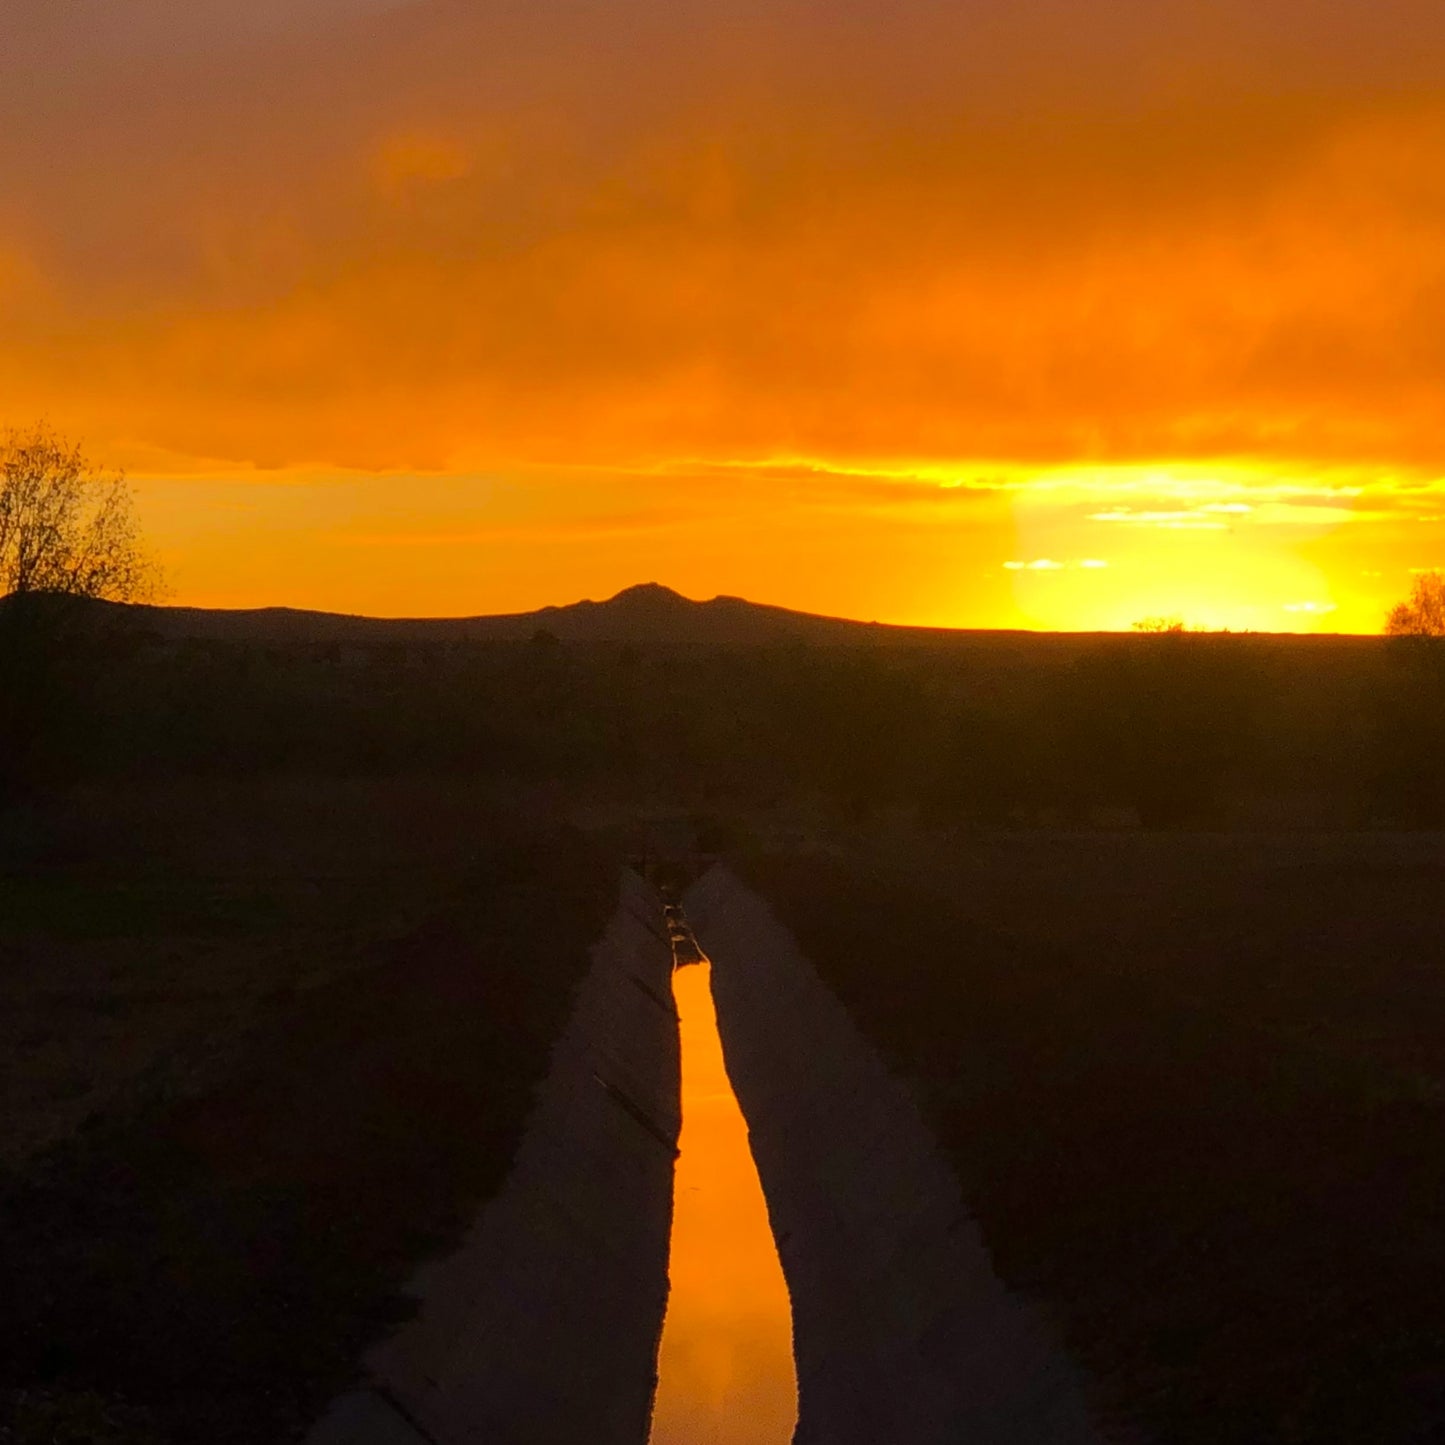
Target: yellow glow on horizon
{"x":840,"y":317}
{"x":1248,"y":546}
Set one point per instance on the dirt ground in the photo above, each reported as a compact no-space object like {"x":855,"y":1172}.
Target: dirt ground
{"x":1195,"y":1089}
{"x":266,"y":1047}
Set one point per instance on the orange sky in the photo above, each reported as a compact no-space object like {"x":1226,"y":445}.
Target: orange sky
{"x":1045,"y":313}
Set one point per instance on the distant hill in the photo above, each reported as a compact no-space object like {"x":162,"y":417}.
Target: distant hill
{"x":649,"y":613}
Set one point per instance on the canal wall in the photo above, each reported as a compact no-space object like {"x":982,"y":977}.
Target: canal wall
{"x":543,"y":1328}
{"x":902,"y":1332}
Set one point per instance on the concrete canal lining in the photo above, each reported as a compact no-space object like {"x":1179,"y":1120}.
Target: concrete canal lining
{"x":543,"y":1328}
{"x":903,"y":1333}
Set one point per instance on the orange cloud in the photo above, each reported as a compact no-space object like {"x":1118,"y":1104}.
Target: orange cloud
{"x":917,"y":242}
{"x":403,"y":159}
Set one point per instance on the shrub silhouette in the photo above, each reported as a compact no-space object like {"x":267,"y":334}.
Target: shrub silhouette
{"x":1422,"y":614}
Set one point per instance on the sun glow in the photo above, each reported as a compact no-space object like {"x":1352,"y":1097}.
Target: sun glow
{"x":989,"y":544}
{"x":826,"y":315}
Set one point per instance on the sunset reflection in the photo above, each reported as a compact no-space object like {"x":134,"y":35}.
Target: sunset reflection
{"x":725,"y":1369}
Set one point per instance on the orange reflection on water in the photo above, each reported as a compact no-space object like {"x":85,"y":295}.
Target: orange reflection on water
{"x":725,"y":1369}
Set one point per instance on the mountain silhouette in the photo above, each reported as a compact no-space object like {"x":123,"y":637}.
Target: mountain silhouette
{"x":646,"y":613}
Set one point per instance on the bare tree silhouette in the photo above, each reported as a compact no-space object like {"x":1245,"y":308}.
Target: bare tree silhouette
{"x":1422,"y":614}
{"x":68,"y":535}
{"x":66,"y":527}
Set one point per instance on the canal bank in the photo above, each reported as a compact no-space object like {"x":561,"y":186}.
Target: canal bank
{"x":543,"y":1328}
{"x":903,"y":1334}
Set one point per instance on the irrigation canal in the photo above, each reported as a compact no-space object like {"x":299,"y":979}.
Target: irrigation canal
{"x":725,"y":1366}
{"x":857,"y":1306}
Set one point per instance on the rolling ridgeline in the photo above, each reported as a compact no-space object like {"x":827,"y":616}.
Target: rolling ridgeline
{"x":730,"y":701}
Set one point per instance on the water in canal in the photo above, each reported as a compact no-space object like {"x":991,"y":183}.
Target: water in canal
{"x":725,"y":1370}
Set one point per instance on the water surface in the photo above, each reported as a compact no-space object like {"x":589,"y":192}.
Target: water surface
{"x":725,"y":1371}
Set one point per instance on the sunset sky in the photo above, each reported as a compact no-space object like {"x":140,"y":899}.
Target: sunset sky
{"x":1046,"y":313}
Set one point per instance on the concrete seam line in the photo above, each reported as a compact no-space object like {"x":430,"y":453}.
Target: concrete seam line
{"x":637,"y":1112}
{"x":654,"y":996}
{"x":387,"y":1398}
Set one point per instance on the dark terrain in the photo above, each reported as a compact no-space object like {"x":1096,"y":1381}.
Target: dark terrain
{"x":305,"y":1022}
{"x":723,"y":703}
{"x":292,"y":907}
{"x":1193,"y":1086}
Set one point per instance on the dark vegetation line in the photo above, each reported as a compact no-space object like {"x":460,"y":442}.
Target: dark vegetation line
{"x":211,"y":1267}
{"x":1195,"y":1095}
{"x":1168,"y":729}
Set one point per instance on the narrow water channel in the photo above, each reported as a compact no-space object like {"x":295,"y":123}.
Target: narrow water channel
{"x":725,"y":1368}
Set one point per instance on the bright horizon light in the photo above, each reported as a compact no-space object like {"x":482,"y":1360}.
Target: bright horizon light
{"x":424,"y":309}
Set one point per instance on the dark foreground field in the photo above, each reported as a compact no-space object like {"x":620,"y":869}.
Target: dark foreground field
{"x":268,"y":1044}
{"x":1195,"y":1089}
{"x":266,"y":1047}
